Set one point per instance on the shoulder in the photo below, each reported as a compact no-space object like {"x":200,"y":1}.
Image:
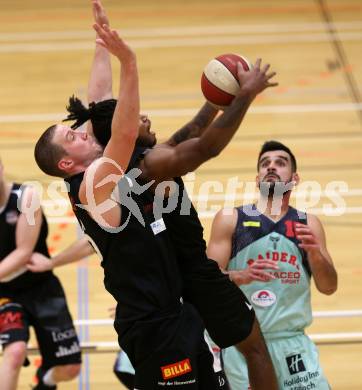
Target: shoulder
{"x":315,"y":225}
{"x":29,"y":196}
{"x":313,"y":221}
{"x":226,"y":218}
{"x":153,"y":164}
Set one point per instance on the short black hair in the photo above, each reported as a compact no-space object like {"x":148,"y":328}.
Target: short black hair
{"x":272,"y":145}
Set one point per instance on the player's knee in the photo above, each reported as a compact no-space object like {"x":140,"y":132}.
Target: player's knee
{"x":15,"y":354}
{"x":71,"y":371}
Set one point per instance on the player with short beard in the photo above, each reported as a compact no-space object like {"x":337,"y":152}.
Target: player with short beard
{"x":271,"y":251}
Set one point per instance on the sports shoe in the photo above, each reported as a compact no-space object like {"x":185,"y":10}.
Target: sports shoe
{"x":41,"y":385}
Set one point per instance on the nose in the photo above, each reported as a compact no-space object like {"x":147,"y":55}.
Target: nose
{"x":271,"y":167}
{"x":144,"y":118}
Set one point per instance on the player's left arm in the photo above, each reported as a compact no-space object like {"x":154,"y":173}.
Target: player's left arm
{"x":313,"y":241}
{"x":165,"y":162}
{"x":100,"y":80}
{"x":196,"y":126}
{"x":26,"y":236}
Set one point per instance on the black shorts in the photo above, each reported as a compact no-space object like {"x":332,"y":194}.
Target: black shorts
{"x":171,"y":352}
{"x":45,"y":308}
{"x":226,"y":311}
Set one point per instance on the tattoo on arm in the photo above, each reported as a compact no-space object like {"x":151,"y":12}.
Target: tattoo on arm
{"x":196,"y":126}
{"x":234,"y":115}
{"x":185,"y":133}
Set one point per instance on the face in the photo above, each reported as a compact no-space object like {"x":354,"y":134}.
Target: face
{"x":81,"y":148}
{"x":145,"y":136}
{"x":275,"y":166}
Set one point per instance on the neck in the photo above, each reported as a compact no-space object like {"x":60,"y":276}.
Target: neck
{"x":274,"y":207}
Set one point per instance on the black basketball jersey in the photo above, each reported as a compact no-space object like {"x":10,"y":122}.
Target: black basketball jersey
{"x":140,"y":267}
{"x":186,"y":231}
{"x":8,"y":222}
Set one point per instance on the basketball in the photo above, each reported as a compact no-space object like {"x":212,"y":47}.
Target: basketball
{"x":219,"y":81}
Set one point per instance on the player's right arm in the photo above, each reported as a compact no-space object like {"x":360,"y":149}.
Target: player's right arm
{"x":75,"y":252}
{"x":220,"y":246}
{"x":196,"y":126}
{"x":102,"y":176}
{"x":165,"y":162}
{"x":222,"y":229}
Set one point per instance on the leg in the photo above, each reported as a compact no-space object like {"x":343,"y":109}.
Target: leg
{"x":126,"y":379}
{"x":124,"y":370}
{"x":66,"y":372}
{"x":56,"y":335}
{"x":14,"y":334}
{"x":48,"y":378}
{"x":260,"y":367}
{"x":13,"y":359}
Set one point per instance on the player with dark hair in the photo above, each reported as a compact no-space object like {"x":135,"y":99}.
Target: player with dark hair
{"x":31,"y":299}
{"x":202,"y":276}
{"x":197,"y":142}
{"x":271,"y":250}
{"x":162,"y":336}
{"x":204,"y":285}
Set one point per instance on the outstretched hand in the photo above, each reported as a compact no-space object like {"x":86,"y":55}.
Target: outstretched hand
{"x":99,"y":13}
{"x":113,"y":43}
{"x":256,"y":79}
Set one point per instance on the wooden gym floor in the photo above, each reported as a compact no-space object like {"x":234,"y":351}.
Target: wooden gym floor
{"x":46,"y":50}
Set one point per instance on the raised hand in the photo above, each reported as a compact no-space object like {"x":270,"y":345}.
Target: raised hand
{"x":256,"y":79}
{"x":99,"y":13}
{"x":113,"y":43}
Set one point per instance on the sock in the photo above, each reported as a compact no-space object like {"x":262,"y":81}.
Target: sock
{"x":48,"y":378}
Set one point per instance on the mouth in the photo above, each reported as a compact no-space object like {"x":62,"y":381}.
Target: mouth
{"x":272,"y":176}
{"x":149,"y":128}
{"x":150,"y":132}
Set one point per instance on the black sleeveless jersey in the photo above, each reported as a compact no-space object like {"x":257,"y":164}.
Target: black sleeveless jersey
{"x":140,"y":267}
{"x":8,"y":221}
{"x":186,"y":231}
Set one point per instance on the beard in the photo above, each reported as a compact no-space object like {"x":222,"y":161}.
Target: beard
{"x":271,"y":189}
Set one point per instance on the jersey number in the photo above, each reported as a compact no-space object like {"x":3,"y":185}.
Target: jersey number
{"x":290,"y":228}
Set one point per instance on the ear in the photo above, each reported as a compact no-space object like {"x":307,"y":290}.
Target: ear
{"x":65,"y":164}
{"x":296,"y":178}
{"x":257,"y":181}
